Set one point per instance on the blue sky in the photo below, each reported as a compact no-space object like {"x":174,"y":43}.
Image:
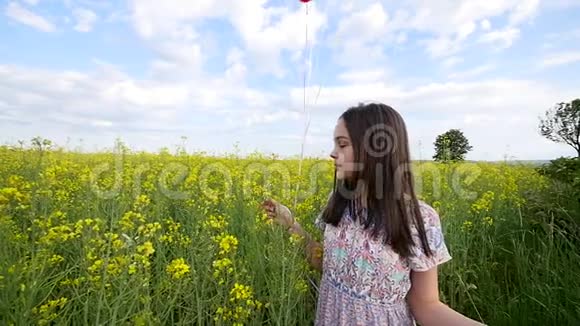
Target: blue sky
{"x":227,"y":72}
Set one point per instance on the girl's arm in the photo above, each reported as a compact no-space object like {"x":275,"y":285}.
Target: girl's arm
{"x":281,"y":215}
{"x":428,"y":310}
{"x":312,"y":248}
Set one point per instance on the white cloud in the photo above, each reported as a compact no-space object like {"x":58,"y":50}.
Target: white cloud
{"x":176,"y":60}
{"x":562,"y":38}
{"x":471,"y":119}
{"x":265,"y":38}
{"x":401,"y":38}
{"x":108,"y":98}
{"x":69,"y":90}
{"x":118,"y":16}
{"x":442,"y":46}
{"x":265,"y":31}
{"x":102,"y":123}
{"x":485,"y":25}
{"x":561,"y":4}
{"x":366,"y":25}
{"x":473,"y":72}
{"x":253,"y":118}
{"x":453,"y":21}
{"x":524,"y":11}
{"x":180,"y":96}
{"x":501,"y":38}
{"x":562,"y":58}
{"x":85,"y":19}
{"x":489,"y":111}
{"x":359,"y":56}
{"x":452,"y":61}
{"x":363,"y":76}
{"x":108,"y":103}
{"x":145,"y":94}
{"x":32,"y":2}
{"x":236,"y":70}
{"x":446,"y":25}
{"x":24,"y":16}
{"x":359,"y":38}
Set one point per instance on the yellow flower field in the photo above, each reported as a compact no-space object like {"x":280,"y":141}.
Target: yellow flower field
{"x":153,"y":239}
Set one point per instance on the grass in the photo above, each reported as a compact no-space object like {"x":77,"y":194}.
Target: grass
{"x":90,"y":238}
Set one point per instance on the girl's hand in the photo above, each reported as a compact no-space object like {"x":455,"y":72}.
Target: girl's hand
{"x":279,"y":213}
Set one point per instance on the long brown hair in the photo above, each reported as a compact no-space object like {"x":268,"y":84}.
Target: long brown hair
{"x":381,"y":148}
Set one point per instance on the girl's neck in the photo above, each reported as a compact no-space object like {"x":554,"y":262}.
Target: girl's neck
{"x":361,"y":199}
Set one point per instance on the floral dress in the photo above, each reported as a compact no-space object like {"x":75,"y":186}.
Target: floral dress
{"x":365,"y":282}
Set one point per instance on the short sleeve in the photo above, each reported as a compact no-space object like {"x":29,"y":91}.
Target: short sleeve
{"x":318,"y":222}
{"x":419,"y":261}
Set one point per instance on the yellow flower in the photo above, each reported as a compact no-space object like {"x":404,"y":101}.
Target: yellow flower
{"x":116,"y":265}
{"x":172,"y":234}
{"x":296,"y":238}
{"x":148,"y":230}
{"x":221,"y":265}
{"x":226,"y":242}
{"x":55,"y":259}
{"x":132,"y":268}
{"x":114,"y":238}
{"x":95,"y":279}
{"x":240,"y":307}
{"x":241,"y":292}
{"x":216,"y":222}
{"x":74,"y":282}
{"x":58,"y":234}
{"x":166,"y":238}
{"x":96,"y":266}
{"x":436,"y":205}
{"x":144,"y":260}
{"x":488,"y":220}
{"x":118,"y":244}
{"x":141,"y":202}
{"x":128,"y":220}
{"x":48,"y":311}
{"x":484,"y":203}
{"x":301,"y":286}
{"x":467,"y":226}
{"x":263,"y":219}
{"x":146,"y":249}
{"x":177,"y":268}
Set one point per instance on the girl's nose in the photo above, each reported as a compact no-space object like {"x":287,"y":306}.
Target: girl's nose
{"x":333,"y":154}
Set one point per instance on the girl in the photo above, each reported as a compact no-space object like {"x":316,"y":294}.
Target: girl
{"x":381,"y":244}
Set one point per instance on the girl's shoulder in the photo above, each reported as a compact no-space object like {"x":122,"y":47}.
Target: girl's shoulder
{"x":429,"y":215}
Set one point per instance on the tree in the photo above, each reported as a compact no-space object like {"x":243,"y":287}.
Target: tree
{"x":451,"y":146}
{"x":562,"y":124}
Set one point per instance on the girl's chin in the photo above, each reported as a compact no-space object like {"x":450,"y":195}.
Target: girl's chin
{"x":341,"y":176}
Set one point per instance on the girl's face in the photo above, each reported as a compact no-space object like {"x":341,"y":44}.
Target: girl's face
{"x":342,"y":152}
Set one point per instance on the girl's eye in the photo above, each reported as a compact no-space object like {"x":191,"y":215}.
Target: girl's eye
{"x":342,"y":146}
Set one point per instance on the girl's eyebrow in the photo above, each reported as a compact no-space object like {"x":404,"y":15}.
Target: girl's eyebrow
{"x":339,"y":137}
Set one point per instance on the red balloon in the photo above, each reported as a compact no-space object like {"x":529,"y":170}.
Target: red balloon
{"x":305,"y":1}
